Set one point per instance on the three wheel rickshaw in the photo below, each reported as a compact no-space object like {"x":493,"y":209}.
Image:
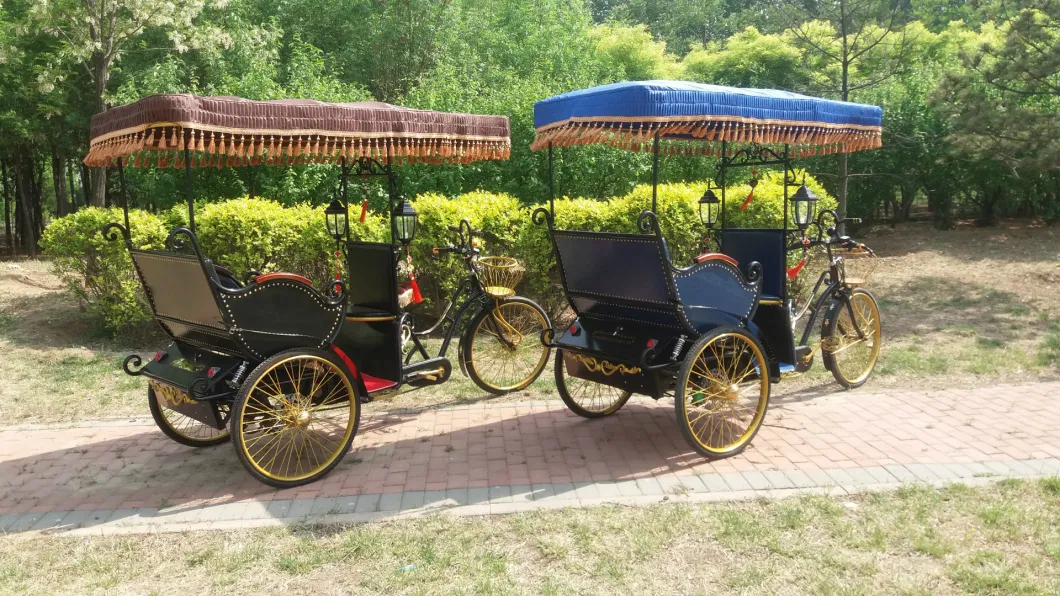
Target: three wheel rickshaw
{"x":717,"y":333}
{"x":272,"y":362}
{"x":281,"y":367}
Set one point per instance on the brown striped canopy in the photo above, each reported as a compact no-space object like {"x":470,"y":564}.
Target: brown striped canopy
{"x":231,"y":131}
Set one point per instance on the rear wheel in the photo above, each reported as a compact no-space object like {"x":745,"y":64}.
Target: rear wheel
{"x":295,"y":417}
{"x":502,"y":351}
{"x":184,"y":429}
{"x":585,"y":398}
{"x":850,"y":339}
{"x":722,"y":392}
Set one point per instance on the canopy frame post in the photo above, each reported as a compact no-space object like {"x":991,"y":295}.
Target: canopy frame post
{"x":721,"y":182}
{"x":124,"y":192}
{"x":187,"y":181}
{"x":344,"y":185}
{"x":551,"y":184}
{"x":655,"y":174}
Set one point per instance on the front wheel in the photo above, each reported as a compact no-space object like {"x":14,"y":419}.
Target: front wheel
{"x":502,"y":350}
{"x":722,"y":392}
{"x":183,"y":429}
{"x":586,"y":398}
{"x":295,"y":417}
{"x":850,"y":338}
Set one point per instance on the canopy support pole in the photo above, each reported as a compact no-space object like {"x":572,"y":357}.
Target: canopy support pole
{"x":721,"y":182}
{"x":391,"y":184}
{"x":345,"y":195}
{"x":124,"y":193}
{"x":784,"y":255}
{"x":551,"y":185}
{"x":187,"y":182}
{"x":655,"y":174}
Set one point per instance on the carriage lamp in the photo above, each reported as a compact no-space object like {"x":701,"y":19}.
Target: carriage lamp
{"x":709,"y":207}
{"x":804,"y":206}
{"x":336,"y":218}
{"x":405,"y":218}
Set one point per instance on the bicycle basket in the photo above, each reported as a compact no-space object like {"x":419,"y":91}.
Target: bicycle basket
{"x":858,"y":266}
{"x":500,"y":275}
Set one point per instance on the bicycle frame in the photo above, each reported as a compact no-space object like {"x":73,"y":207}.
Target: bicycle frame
{"x":834,"y":288}
{"x":474,"y":297}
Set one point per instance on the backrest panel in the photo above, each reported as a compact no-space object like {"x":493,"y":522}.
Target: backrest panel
{"x":766,"y":246}
{"x":605,"y":265}
{"x":372,"y":276}
{"x":178,"y":288}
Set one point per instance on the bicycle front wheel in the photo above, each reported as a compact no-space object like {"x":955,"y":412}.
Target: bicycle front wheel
{"x":502,"y":350}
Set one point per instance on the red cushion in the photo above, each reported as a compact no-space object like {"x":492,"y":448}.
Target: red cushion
{"x":288,"y":276}
{"x":716,"y":256}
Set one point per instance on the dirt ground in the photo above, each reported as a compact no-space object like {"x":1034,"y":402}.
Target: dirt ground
{"x":970,"y":306}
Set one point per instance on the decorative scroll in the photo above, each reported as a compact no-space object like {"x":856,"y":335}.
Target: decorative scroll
{"x":169,"y":395}
{"x":604,"y":367}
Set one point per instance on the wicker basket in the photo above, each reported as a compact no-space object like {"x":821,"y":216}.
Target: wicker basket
{"x":858,"y":266}
{"x":500,"y":275}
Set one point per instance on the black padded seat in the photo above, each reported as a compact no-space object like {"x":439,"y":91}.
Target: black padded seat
{"x":766,"y":246}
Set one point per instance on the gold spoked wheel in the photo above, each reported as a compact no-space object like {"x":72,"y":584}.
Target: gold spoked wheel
{"x":502,"y":350}
{"x":586,"y":398}
{"x":722,"y":392}
{"x":850,"y":355}
{"x":184,"y":429}
{"x":295,"y":417}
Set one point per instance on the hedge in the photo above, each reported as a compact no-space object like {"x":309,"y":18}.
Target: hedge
{"x":262,"y":235}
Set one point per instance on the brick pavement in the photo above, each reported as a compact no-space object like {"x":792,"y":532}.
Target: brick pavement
{"x":504,"y":457}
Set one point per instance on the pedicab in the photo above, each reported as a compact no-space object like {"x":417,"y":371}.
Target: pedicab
{"x":715,"y":334}
{"x":272,"y":361}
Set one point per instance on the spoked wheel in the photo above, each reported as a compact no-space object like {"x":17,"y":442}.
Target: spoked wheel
{"x":850,"y":355}
{"x":184,"y":429}
{"x":585,"y":398}
{"x":502,"y":351}
{"x":722,"y":392}
{"x":295,"y":417}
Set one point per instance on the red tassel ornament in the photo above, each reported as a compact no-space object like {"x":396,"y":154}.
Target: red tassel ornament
{"x":751,"y":195}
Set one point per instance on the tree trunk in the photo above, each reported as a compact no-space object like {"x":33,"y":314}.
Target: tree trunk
{"x":23,"y":189}
{"x":37,"y":199}
{"x":86,"y":185}
{"x":73,"y":191}
{"x":59,"y":183}
{"x":7,"y":208}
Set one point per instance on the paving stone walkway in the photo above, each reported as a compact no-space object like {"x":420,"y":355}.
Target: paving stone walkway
{"x":115,"y":477}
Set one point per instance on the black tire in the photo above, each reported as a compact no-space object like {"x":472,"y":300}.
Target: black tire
{"x":693,"y":391}
{"x":182,"y":429}
{"x":834,"y":336}
{"x":531,"y":319}
{"x":266,"y":401}
{"x":572,"y":391}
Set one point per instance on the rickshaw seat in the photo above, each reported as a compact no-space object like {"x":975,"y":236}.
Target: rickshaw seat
{"x":766,"y":246}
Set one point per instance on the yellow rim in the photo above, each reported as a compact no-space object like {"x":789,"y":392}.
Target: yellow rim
{"x":591,"y":396}
{"x":725,"y":396}
{"x":185,"y":426}
{"x":853,"y":355}
{"x":297,"y":418}
{"x":506,"y":352}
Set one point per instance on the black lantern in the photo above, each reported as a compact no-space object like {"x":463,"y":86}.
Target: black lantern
{"x":405,"y":219}
{"x":709,"y":207}
{"x":336,"y":218}
{"x":804,"y":207}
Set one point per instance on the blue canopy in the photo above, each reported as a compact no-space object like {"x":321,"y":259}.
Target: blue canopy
{"x":684,"y":114}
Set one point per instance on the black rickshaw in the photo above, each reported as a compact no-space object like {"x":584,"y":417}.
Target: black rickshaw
{"x":272,"y":360}
{"x":717,"y":333}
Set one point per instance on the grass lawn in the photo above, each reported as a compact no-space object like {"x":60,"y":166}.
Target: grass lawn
{"x":965,"y":307}
{"x":999,"y":539}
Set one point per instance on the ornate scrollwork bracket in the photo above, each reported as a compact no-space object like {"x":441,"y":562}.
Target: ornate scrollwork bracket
{"x":111,"y":232}
{"x":542,"y":216}
{"x":604,"y":367}
{"x":175,"y":243}
{"x":336,"y":293}
{"x":754,"y":272}
{"x":133,"y":360}
{"x":648,"y":223}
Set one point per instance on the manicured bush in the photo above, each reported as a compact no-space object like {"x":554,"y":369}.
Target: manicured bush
{"x":99,"y":272}
{"x":263,"y":235}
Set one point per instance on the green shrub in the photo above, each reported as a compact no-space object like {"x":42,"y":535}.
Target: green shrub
{"x":99,"y":272}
